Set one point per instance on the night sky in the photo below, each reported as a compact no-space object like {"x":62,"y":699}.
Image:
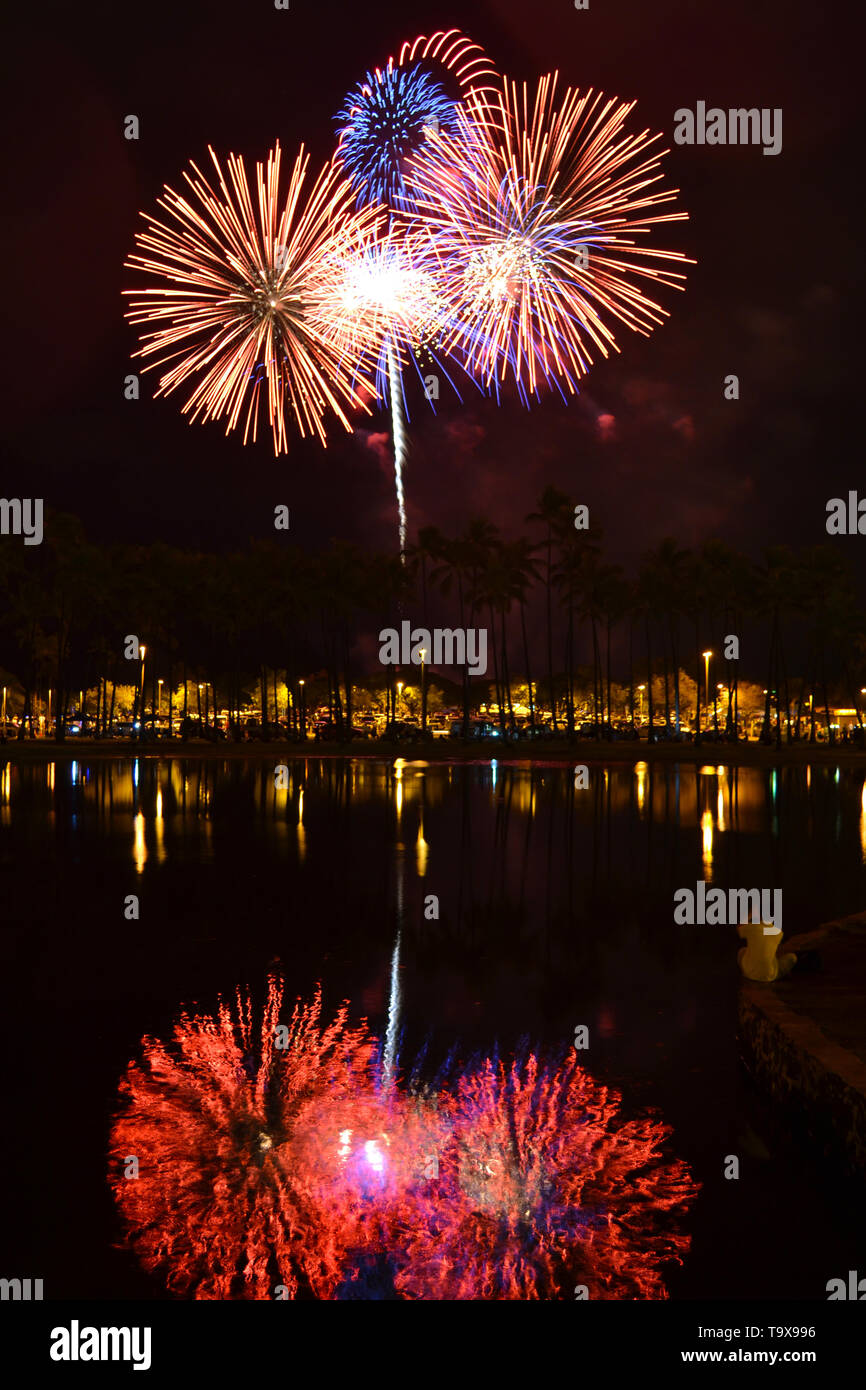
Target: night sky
{"x":773,"y":297}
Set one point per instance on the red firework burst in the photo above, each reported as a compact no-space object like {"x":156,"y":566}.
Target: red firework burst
{"x":262,"y":1165}
{"x":541,"y":1187}
{"x":222,"y":1200}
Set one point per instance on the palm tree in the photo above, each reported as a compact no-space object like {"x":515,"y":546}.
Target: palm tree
{"x":519,"y":562}
{"x":429,"y":549}
{"x":555,"y":513}
{"x":666,"y":571}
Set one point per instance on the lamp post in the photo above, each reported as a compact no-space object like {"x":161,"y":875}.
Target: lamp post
{"x":706,"y":656}
{"x":140,"y":698}
{"x":640,"y":691}
{"x":423,"y":694}
{"x":303,"y":711}
{"x":159,"y":699}
{"x":400,"y":685}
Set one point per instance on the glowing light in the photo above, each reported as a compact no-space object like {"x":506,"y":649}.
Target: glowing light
{"x":374,"y":1155}
{"x":139,"y":849}
{"x":641,"y":772}
{"x":422,"y":850}
{"x":707,"y":841}
{"x":160,"y":828}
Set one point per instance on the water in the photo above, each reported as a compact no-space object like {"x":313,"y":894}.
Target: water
{"x":555,"y":910}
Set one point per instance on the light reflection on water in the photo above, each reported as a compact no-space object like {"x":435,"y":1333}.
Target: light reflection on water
{"x":555,"y":910}
{"x":656,"y":823}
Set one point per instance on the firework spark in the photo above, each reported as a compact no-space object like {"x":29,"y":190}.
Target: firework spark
{"x":244,"y":307}
{"x":536,"y":210}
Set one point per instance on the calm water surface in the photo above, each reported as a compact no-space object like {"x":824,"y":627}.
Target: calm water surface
{"x":555,"y":909}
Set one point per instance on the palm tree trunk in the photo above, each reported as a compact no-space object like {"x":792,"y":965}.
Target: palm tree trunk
{"x":526,"y":662}
{"x":649,"y":679}
{"x":550,"y":630}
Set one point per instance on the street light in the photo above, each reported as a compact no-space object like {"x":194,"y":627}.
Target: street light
{"x":641,"y":689}
{"x":423,"y":694}
{"x":399,"y":696}
{"x":706,"y":656}
{"x":159,"y":697}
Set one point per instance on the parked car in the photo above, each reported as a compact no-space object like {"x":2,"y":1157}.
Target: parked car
{"x":401,"y":731}
{"x":325,"y":730}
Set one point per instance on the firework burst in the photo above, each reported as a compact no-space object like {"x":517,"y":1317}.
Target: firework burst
{"x":537,"y":211}
{"x":263,"y":1165}
{"x":243,"y":307}
{"x":542,"y":1185}
{"x":223,"y":1201}
{"x":389,"y":115}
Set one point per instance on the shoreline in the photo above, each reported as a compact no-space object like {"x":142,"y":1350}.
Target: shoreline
{"x":554,"y":753}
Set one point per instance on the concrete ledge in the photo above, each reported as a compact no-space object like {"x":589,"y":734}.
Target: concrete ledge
{"x":818,"y":1084}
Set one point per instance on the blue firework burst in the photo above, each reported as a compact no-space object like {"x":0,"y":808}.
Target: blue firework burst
{"x":385,"y":119}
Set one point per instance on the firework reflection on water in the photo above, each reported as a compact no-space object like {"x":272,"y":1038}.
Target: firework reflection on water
{"x":266,"y":1168}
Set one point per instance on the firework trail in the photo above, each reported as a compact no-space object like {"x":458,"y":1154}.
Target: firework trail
{"x":398,"y":427}
{"x":263,"y":1166}
{"x":240,"y":300}
{"x":387,"y":118}
{"x":536,"y":210}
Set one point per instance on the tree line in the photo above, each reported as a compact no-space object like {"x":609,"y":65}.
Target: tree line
{"x":560,"y":617}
